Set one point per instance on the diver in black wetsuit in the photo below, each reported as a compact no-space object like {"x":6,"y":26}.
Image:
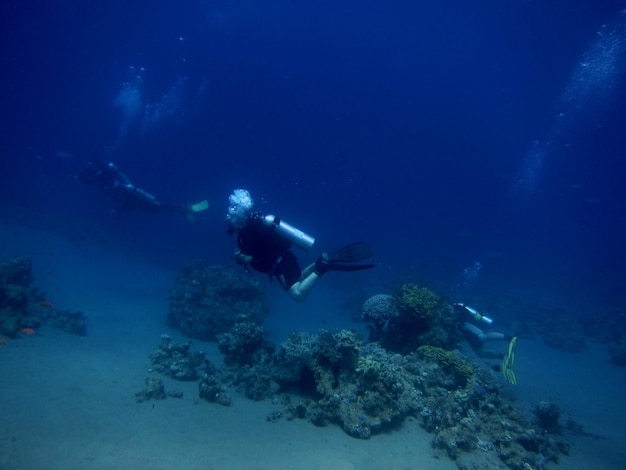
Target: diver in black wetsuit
{"x":264,"y":244}
{"x":127,"y":196}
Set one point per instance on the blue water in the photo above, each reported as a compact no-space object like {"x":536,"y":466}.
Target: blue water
{"x":446,"y":133}
{"x":429,"y":128}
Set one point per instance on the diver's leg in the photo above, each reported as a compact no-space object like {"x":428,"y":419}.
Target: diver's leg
{"x":494,"y":336}
{"x":301,"y":289}
{"x":307,"y":271}
{"x":146,"y":201}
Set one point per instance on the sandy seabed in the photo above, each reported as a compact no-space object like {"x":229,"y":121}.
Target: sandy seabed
{"x":67,"y":402}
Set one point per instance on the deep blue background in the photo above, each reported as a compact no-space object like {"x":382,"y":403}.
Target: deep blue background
{"x":406,"y":123}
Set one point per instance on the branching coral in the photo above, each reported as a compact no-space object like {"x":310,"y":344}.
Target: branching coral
{"x":419,"y":302}
{"x":462,"y":368}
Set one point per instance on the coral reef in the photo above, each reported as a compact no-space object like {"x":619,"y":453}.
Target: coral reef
{"x":256,"y":382}
{"x":365,"y":388}
{"x":477,"y":418}
{"x":206,"y":302}
{"x":181,"y":363}
{"x":415,"y":316}
{"x":548,"y":416}
{"x":409,"y":368}
{"x":153,"y":389}
{"x":461,"y":368}
{"x":243,"y":344}
{"x":211,"y":389}
{"x":417,"y":302}
{"x":306,"y":359}
{"x":24,"y":307}
{"x":177,"y":360}
{"x":16,"y":297}
{"x":380,"y":309}
{"x":16,"y":271}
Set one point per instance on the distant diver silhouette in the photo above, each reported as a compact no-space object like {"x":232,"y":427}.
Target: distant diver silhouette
{"x":128,"y":197}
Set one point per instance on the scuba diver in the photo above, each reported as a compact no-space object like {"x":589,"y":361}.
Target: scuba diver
{"x":477,"y":338}
{"x":128,"y":197}
{"x":264,"y":244}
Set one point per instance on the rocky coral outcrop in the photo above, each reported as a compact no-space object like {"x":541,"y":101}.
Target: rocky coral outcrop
{"x":178,"y":360}
{"x":366,"y":388}
{"x":206,"y":302}
{"x":461,"y":368}
{"x":244,"y":344}
{"x":211,"y":389}
{"x":24,"y":307}
{"x":413,"y":317}
{"x":153,"y":389}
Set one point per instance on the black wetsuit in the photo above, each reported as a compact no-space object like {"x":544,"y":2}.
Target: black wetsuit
{"x":270,"y":252}
{"x":126,"y":196}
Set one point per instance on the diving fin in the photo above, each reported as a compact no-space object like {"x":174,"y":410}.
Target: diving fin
{"x":336,"y":260}
{"x":509,"y":361}
{"x":192,"y":209}
{"x":199,"y":206}
{"x":341,"y":267}
{"x":353,"y":252}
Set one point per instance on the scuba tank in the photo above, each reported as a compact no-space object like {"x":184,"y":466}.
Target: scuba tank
{"x":476,"y":315}
{"x":289,"y":232}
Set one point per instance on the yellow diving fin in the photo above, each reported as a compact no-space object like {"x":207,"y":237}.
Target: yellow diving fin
{"x":508,"y":361}
{"x":197,"y":207}
{"x":200,"y":206}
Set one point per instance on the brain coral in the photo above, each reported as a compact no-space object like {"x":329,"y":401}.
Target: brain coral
{"x":378,"y":308}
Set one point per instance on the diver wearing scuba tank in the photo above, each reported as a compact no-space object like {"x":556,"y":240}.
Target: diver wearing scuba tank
{"x":264,"y":244}
{"x":126,"y":196}
{"x":289,"y":232}
{"x":476,"y":315}
{"x":475,"y":335}
{"x":477,"y":338}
